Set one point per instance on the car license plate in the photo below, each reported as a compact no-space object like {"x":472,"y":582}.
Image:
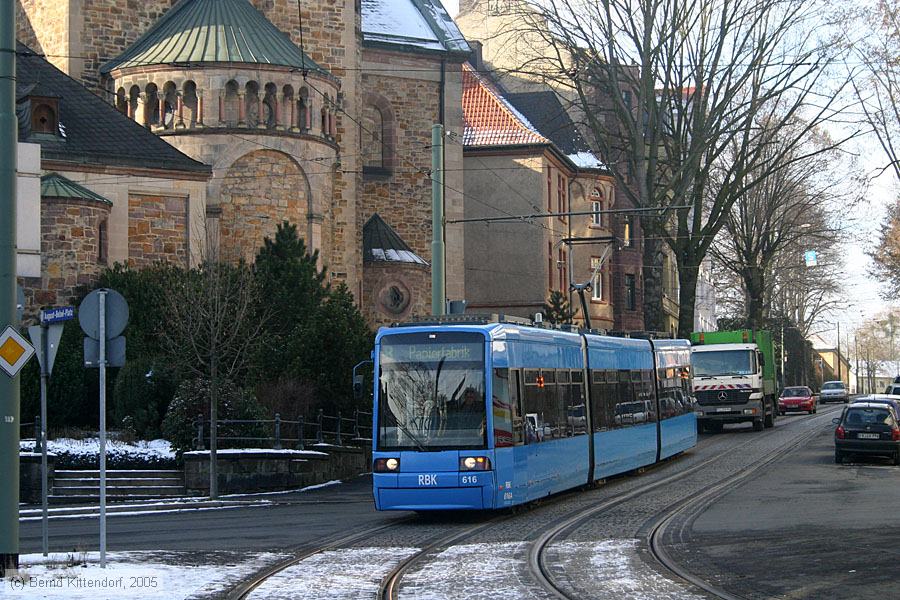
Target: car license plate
{"x":868,"y":436}
{"x":723,"y":410}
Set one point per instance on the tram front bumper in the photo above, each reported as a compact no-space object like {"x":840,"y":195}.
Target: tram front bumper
{"x":434,"y":491}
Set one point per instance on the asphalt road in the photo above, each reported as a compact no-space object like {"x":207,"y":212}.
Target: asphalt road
{"x":292,"y":521}
{"x":804,"y":528}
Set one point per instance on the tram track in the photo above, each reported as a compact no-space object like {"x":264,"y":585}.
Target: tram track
{"x":244,"y":590}
{"x":541,"y":570}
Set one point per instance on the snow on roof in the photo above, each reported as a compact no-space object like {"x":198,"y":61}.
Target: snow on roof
{"x":586,"y":160}
{"x":415,"y":24}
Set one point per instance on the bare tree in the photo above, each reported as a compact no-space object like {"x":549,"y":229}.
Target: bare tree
{"x":213,"y":329}
{"x":767,"y":230}
{"x":668,"y":89}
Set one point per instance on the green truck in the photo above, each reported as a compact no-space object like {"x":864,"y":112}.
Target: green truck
{"x":734,"y":378}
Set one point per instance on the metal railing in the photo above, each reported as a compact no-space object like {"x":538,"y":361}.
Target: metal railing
{"x":279,"y":433}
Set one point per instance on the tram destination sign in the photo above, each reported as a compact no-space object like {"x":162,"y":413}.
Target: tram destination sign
{"x":449,"y":352}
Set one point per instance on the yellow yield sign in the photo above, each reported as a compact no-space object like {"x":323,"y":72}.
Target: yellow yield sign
{"x":14,"y":351}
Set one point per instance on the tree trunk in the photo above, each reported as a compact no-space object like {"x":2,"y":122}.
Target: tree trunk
{"x":653,"y":285}
{"x":754,"y":286}
{"x":688,"y":273}
{"x":213,"y":428}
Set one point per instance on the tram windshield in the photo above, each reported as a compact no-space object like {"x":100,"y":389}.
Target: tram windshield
{"x":431,"y":392}
{"x":723,"y":362}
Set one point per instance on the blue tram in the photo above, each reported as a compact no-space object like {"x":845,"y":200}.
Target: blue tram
{"x":493,"y":414}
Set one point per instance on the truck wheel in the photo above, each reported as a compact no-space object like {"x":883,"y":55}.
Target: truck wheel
{"x":758,"y":425}
{"x":714,"y":427}
{"x":769,"y":420}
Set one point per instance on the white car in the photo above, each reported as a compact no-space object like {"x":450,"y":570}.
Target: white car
{"x":834,"y":391}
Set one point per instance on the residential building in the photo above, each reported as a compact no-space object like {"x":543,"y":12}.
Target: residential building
{"x":512,"y":266}
{"x":832,"y":365}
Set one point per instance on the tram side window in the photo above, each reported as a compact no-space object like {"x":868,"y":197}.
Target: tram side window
{"x":515,"y":401}
{"x":598,"y":405}
{"x":554,"y":402}
{"x":673,"y":401}
{"x":507,"y":422}
{"x":644,"y":392}
{"x":533,"y":406}
{"x":576,"y":411}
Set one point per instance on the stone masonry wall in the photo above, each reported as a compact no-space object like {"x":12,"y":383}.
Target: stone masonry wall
{"x":69,"y":249}
{"x":394,"y":292}
{"x":157,"y":230}
{"x":403,"y":199}
{"x":43,"y":27}
{"x":260,"y":190}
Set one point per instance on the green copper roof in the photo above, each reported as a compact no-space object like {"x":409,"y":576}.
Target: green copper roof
{"x":55,"y":185}
{"x":213,"y":31}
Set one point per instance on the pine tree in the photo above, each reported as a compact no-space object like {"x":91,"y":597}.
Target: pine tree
{"x":558,"y":311}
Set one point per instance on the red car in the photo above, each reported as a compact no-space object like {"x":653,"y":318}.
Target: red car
{"x":798,"y":398}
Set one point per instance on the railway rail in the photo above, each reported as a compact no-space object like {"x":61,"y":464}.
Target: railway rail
{"x":555,"y":531}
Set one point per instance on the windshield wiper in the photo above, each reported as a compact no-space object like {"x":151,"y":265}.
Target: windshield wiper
{"x":403,"y":427}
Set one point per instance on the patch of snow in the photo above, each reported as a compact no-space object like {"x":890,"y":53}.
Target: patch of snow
{"x":334,"y":575}
{"x":132,"y":513}
{"x":391,"y":255}
{"x":586,"y":160}
{"x":619,"y":570}
{"x":251,"y":451}
{"x":397,"y":21}
{"x":304,"y":489}
{"x":133,"y":575}
{"x":91,"y":447}
{"x":490,"y":572}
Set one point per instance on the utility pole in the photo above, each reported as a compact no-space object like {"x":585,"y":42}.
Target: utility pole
{"x":856,"y":354}
{"x":438,"y":281}
{"x":9,"y":386}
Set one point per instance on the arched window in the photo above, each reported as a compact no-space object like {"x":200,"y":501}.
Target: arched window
{"x":121,"y":101}
{"x":597,"y":206}
{"x":190,"y":102}
{"x":102,"y":241}
{"x":232,"y":101}
{"x":43,"y":119}
{"x":151,"y":108}
{"x":170,"y":101}
{"x":304,"y":105}
{"x":251,"y":104}
{"x":270,"y":104}
{"x":372,"y":137}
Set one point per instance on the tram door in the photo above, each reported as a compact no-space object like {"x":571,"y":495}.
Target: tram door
{"x":509,"y":437}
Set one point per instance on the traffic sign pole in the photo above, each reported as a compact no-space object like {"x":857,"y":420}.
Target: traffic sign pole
{"x":102,"y":325}
{"x":45,"y":382}
{"x":9,"y":386}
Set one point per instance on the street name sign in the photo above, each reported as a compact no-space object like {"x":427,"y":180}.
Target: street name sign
{"x":58,"y":314}
{"x":14,"y":351}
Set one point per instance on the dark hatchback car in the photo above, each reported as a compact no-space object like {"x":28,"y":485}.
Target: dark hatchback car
{"x":867,"y":428}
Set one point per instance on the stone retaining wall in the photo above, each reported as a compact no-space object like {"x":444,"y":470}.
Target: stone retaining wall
{"x":246,"y":471}
{"x":30,"y":476}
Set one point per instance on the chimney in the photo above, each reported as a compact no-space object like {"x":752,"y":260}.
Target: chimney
{"x":477,"y":59}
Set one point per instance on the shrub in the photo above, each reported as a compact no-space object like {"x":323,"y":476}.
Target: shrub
{"x":144,"y":388}
{"x":191,"y":401}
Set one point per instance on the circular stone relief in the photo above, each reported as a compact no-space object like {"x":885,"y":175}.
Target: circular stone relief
{"x":394,"y":297}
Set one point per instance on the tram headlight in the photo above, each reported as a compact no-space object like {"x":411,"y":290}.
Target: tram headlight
{"x":387,"y":465}
{"x":475,"y":463}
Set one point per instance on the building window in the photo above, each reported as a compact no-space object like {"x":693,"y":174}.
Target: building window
{"x":630,"y":292}
{"x":562,"y":265}
{"x":597,"y":280}
{"x":550,"y":264}
{"x":549,"y":190}
{"x":628,"y":232}
{"x":102,"y":241}
{"x":45,"y":116}
{"x":597,"y":208}
{"x":372,"y":136}
{"x":561,"y":197}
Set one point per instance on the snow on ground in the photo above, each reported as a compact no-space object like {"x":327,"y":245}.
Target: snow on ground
{"x":619,"y":570}
{"x":469,"y":571}
{"x":334,"y":575}
{"x":250,"y":451}
{"x":91,"y":447}
{"x":132,"y":575}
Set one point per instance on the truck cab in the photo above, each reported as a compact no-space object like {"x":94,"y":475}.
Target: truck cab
{"x":731,"y":386}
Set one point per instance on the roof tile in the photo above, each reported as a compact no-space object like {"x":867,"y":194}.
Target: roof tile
{"x":489,"y":119}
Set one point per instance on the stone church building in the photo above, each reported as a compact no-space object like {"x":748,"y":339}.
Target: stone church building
{"x":319,"y":113}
